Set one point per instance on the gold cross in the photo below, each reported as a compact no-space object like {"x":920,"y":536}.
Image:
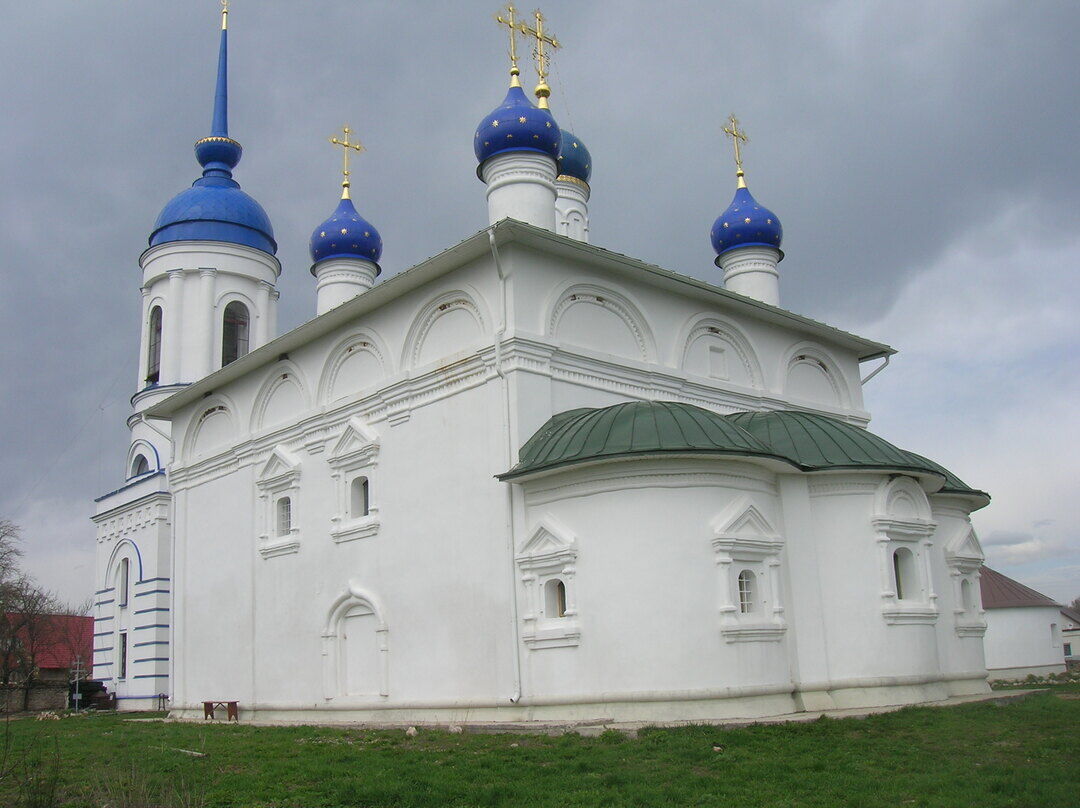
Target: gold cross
{"x":736,"y":136}
{"x":224,"y":14}
{"x":512,"y":24}
{"x":542,"y":58}
{"x":346,"y":146}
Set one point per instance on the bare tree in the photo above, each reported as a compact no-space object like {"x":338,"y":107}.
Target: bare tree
{"x":1075,"y":605}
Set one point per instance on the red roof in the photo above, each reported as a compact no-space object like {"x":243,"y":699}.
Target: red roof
{"x":1000,"y":592}
{"x":59,"y":638}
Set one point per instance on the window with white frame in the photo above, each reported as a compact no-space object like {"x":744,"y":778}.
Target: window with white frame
{"x":235,"y":325}
{"x":153,"y":346}
{"x":964,"y":558}
{"x":747,"y":554}
{"x":547,"y":564}
{"x":353,"y":466}
{"x":278,"y":484}
{"x":904,"y":534}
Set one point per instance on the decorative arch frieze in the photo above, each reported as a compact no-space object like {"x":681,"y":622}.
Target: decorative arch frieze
{"x":362,"y":342}
{"x":817,"y":358}
{"x":335,"y":652}
{"x":710,"y":327}
{"x":196,"y":441}
{"x":431,"y":312}
{"x":615,"y":302}
{"x":280,"y":375}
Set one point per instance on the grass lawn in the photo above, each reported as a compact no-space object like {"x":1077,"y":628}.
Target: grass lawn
{"x":1022,"y":755}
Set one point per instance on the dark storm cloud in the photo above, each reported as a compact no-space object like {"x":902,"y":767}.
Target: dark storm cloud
{"x":881,"y":133}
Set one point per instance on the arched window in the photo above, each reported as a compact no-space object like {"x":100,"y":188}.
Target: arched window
{"x":904,"y":572}
{"x":122,"y":578}
{"x":234,"y":333}
{"x":153,"y":349}
{"x":140,"y":465}
{"x":746,"y":592}
{"x":284,"y":516}
{"x":967,"y":599}
{"x":358,"y":498}
{"x":555,"y":598}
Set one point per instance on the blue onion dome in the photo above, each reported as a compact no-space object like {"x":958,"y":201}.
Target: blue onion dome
{"x":746,"y":224}
{"x":574,"y":159}
{"x":346,"y":234}
{"x":214,"y":208}
{"x":516,"y":125}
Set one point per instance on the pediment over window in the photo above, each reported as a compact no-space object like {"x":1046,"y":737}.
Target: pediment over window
{"x":281,"y":466}
{"x":742,"y":529}
{"x":548,"y":544}
{"x":964,"y":547}
{"x":358,"y":445}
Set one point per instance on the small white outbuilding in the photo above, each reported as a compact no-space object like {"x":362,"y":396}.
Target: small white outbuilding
{"x":1023,"y":629}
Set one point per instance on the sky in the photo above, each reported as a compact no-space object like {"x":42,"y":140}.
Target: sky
{"x":921,"y":155}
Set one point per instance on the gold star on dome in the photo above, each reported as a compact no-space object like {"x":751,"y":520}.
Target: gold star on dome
{"x":725,"y":224}
{"x":746,"y":220}
{"x":367,"y":234}
{"x":345,"y":230}
{"x":768,"y":221}
{"x":549,"y":124}
{"x":521,"y":119}
{"x":574,"y":144}
{"x":495,"y":123}
{"x":322,"y":234}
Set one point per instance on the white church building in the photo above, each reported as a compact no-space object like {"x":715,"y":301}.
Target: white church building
{"x":526,"y":479}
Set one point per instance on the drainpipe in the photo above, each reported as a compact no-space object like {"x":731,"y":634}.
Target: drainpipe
{"x":511,"y":543}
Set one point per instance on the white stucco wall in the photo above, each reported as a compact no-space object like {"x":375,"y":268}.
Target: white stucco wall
{"x":1023,"y":640}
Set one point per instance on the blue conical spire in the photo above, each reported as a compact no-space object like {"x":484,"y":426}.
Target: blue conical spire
{"x":215,"y":208}
{"x":220,"y":125}
{"x":219,"y":153}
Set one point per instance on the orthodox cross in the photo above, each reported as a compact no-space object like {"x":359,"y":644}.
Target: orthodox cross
{"x":736,"y":135}
{"x":542,"y":58}
{"x":224,"y":14}
{"x":346,"y":148}
{"x":512,"y":24}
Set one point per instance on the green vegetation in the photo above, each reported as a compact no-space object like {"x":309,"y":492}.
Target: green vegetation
{"x":1018,"y":754}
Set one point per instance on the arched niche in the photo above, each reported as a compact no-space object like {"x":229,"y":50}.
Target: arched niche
{"x":450,"y":323}
{"x":282,"y":397}
{"x":902,"y":499}
{"x":356,"y":647}
{"x":147,"y":450}
{"x":213,"y":429}
{"x":811,"y":374}
{"x":357,"y":363}
{"x":601,"y":320}
{"x":716,"y":349}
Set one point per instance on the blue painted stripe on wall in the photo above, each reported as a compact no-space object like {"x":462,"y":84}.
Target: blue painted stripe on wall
{"x":153,"y":659}
{"x":151,"y":676}
{"x":103,"y":591}
{"x":101,"y":633}
{"x":151,"y":642}
{"x":126,"y":698}
{"x":102,"y":664}
{"x":99,"y":650}
{"x":154,"y":609}
{"x":103,"y":619}
{"x":152,"y":625}
{"x":105,"y":602}
{"x":151,"y":580}
{"x":153,"y":592}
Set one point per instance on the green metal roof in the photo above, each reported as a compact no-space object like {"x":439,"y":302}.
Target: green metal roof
{"x":817,"y":442}
{"x":807,"y":441}
{"x":633,"y":428}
